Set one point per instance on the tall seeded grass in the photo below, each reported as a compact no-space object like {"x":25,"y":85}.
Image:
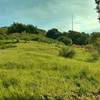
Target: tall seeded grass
{"x":35,"y":71}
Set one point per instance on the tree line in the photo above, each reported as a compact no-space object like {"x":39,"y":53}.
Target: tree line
{"x":68,"y":38}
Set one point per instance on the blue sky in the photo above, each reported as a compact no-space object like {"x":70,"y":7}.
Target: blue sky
{"x":49,"y":14}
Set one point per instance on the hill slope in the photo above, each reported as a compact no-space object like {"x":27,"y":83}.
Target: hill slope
{"x":35,"y":70}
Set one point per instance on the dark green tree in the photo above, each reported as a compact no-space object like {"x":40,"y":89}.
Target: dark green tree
{"x":16,"y":28}
{"x":53,"y":33}
{"x":78,"y":38}
{"x":19,"y":28}
{"x":31,"y":29}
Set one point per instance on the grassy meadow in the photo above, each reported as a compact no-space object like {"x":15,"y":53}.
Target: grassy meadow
{"x":36,"y":71}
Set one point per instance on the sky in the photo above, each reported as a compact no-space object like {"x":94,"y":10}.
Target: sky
{"x":49,"y":14}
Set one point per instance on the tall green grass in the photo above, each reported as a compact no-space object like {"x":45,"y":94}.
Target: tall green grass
{"x":35,"y":71}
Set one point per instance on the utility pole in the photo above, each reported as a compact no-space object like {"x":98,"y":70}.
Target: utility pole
{"x":72,"y":22}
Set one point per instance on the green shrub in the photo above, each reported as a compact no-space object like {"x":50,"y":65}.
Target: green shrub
{"x":9,"y":82}
{"x":89,"y":48}
{"x":4,"y":46}
{"x":97,"y":45}
{"x":67,"y":52}
{"x":42,"y":38}
{"x":65,"y":40}
{"x":94,"y":57}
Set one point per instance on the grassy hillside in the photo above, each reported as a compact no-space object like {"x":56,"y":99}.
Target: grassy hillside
{"x":35,"y":71}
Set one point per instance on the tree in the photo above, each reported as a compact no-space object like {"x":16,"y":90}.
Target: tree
{"x":31,"y":29}
{"x":98,"y":7}
{"x":94,"y":36}
{"x":16,"y":28}
{"x":78,"y":38}
{"x":95,"y":40}
{"x":53,"y":33}
{"x":19,"y":28}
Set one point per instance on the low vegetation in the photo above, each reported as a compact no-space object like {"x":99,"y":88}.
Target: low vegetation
{"x":67,"y":52}
{"x":38,"y":66}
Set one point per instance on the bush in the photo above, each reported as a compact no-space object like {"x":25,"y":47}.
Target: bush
{"x":42,"y":38}
{"x":94,"y":56}
{"x":67,"y":52}
{"x":89,"y":48}
{"x":97,"y":45}
{"x":5,"y":46}
{"x":65,"y":40}
{"x":47,"y":40}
